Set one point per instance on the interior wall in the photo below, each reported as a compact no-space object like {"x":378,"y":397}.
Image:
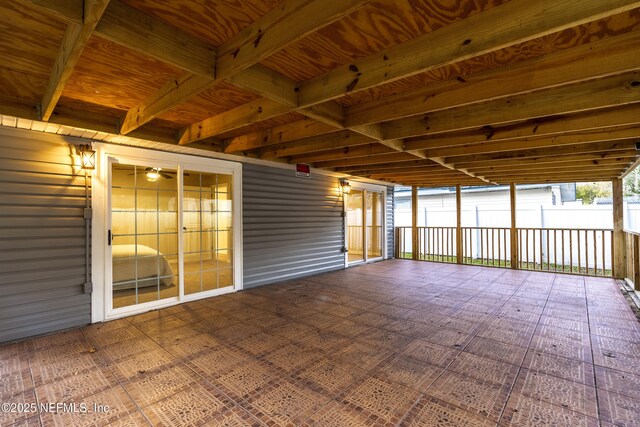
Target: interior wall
{"x":42,"y":236}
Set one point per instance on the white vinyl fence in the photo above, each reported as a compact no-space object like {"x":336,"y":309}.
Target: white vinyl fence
{"x":550,"y":246}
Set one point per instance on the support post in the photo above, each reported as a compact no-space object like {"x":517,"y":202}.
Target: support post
{"x":514,"y":235}
{"x":458,"y":225}
{"x":414,"y":222}
{"x":619,"y":246}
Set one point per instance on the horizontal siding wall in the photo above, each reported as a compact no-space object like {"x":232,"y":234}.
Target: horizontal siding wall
{"x":292,"y":226}
{"x":42,"y":236}
{"x":390,"y":232}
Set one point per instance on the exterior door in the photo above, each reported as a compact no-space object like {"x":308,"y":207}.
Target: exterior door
{"x":365,"y":231}
{"x":170,"y":234}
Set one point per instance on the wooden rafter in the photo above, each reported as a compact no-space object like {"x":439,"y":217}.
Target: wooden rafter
{"x":75,"y":39}
{"x":604,"y":93}
{"x":545,"y":127}
{"x":603,"y":58}
{"x":505,"y":25}
{"x":290,"y":132}
{"x":572,"y":149}
{"x":349,"y":152}
{"x":262,"y":38}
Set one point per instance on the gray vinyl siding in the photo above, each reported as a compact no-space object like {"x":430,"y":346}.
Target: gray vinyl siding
{"x":292,"y":226}
{"x":390,"y":232}
{"x":42,"y":237}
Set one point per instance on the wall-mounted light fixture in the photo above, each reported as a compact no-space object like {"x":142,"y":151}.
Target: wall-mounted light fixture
{"x":87,"y":156}
{"x":345,"y":186}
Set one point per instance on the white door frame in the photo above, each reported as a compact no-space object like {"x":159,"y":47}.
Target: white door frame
{"x":373,"y":188}
{"x":101,"y":298}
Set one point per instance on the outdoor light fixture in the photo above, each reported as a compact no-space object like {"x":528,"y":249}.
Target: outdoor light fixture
{"x":87,"y":156}
{"x":345,"y":186}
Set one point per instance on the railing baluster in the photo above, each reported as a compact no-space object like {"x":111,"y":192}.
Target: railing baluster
{"x":595,"y":254}
{"x":604,"y":271}
{"x":579,"y":253}
{"x":555,"y":249}
{"x":586,"y":250}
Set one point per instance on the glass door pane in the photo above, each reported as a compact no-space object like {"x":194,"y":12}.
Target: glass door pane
{"x":207,"y":231}
{"x":355,"y":230}
{"x":144,"y":234}
{"x":374,"y":218}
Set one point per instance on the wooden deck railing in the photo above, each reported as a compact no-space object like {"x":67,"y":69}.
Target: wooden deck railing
{"x":632,"y":243}
{"x":578,"y":251}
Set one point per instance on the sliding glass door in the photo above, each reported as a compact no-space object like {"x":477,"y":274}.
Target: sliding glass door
{"x":170,"y":235}
{"x":364,"y":225}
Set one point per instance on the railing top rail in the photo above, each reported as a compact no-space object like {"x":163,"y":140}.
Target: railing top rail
{"x":564,"y":229}
{"x":635,"y":233}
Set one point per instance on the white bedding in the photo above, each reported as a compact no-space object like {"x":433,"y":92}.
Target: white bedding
{"x":150,"y":264}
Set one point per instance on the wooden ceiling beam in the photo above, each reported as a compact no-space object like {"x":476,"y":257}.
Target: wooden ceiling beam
{"x":288,"y":132}
{"x":280,"y":27}
{"x":573,"y":149}
{"x":365,"y":161}
{"x":388,"y":165}
{"x":555,"y":172}
{"x":251,"y":112}
{"x":555,"y":125}
{"x":75,"y":39}
{"x":337,"y":140}
{"x":531,"y":143}
{"x":560,"y":158}
{"x":604,"y":93}
{"x":581,"y":164}
{"x":65,"y":10}
{"x":510,"y":23}
{"x":603,"y":58}
{"x":343,"y":153}
{"x":134,"y":29}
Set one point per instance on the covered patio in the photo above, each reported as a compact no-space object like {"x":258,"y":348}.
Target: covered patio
{"x":397,"y":342}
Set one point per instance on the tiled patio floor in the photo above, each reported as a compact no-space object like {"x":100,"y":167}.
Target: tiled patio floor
{"x":393,"y":343}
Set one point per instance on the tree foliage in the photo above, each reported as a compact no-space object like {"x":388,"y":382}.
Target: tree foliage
{"x":631,"y":184}
{"x":589,"y":191}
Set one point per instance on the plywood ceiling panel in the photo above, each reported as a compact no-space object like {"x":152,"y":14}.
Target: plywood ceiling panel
{"x":29,"y":40}
{"x":211,"y":102}
{"x":212,"y":21}
{"x":379,"y":25}
{"x":593,"y":31}
{"x":116,"y":77}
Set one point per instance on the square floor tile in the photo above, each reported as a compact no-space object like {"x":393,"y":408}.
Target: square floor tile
{"x":362,"y":354}
{"x":409,"y":372}
{"x":431,"y":353}
{"x":481,"y":397}
{"x":336,"y":414}
{"x":620,"y":382}
{"x":150,"y":387}
{"x":524,"y":411}
{"x":557,"y":391}
{"x":619,"y":410}
{"x":192,"y":406}
{"x":561,"y":367}
{"x":379,"y":398}
{"x":112,"y":406}
{"x":329,"y":376}
{"x":496,"y":350}
{"x":432,"y":412}
{"x":484,"y":368}
{"x":284,"y":404}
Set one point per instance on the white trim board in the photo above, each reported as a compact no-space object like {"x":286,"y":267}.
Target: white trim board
{"x":101,"y":274}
